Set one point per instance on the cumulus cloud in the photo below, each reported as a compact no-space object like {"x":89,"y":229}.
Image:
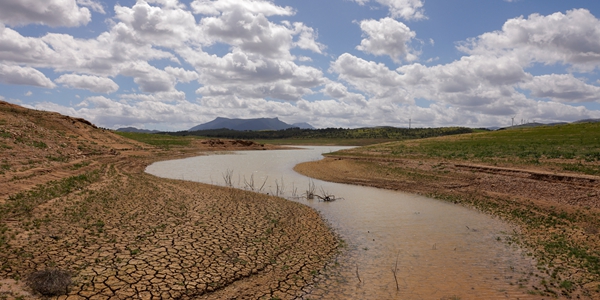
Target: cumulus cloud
{"x":339,"y":91}
{"x":92,"y":83}
{"x":374,"y":79}
{"x":572,"y":38}
{"x":24,"y":76}
{"x":387,"y":37}
{"x":169,"y":25}
{"x":562,"y":88}
{"x":93,"y":5}
{"x":149,"y":78}
{"x":49,"y":12}
{"x":406,"y":9}
{"x":266,"y":8}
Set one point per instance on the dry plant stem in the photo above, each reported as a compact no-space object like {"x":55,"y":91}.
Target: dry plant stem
{"x":263,"y":184}
{"x":394,"y":270}
{"x":310,"y":193}
{"x":227,"y":177}
{"x":249,"y":184}
{"x":357,"y":275}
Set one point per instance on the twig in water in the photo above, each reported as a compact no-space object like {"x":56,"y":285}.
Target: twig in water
{"x":263,"y":185}
{"x":357,"y":275}
{"x":227,"y":177}
{"x":310,"y":193}
{"x":249,"y":184}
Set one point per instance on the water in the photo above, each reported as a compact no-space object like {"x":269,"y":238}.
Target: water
{"x":439,"y":250}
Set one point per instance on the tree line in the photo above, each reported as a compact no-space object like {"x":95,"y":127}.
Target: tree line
{"x":391,"y":133}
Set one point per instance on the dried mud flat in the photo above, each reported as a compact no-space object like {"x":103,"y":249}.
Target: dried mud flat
{"x":558,"y":214}
{"x":75,"y":198}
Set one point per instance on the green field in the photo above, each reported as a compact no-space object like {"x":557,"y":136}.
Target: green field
{"x":324,"y":142}
{"x":158,"y":140}
{"x":572,"y":147}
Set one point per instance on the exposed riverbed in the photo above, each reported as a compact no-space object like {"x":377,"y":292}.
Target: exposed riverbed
{"x":438,"y":249}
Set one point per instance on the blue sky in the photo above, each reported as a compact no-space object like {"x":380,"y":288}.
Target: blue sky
{"x":170,"y":65}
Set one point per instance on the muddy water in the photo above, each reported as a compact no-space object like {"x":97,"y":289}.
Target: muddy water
{"x":439,"y":250}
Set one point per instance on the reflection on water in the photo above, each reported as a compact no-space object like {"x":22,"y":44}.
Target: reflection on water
{"x":439,"y":250}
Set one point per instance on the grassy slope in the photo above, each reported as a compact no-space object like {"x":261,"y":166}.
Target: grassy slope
{"x":573,"y":147}
{"x":158,"y":140}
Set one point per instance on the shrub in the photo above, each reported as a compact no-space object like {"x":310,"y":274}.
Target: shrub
{"x":50,"y":282}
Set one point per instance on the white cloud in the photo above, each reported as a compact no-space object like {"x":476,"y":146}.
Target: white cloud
{"x":149,"y":78}
{"x":562,"y":88}
{"x":387,"y":37}
{"x":216,"y":7}
{"x":572,"y":38}
{"x":406,"y":9}
{"x":48,"y":12}
{"x":181,"y":75}
{"x":92,"y":83}
{"x":24,"y":76}
{"x":307,"y":38}
{"x":94,"y":5}
{"x":374,"y":79}
{"x":16,"y":48}
{"x":339,"y":91}
{"x":169,"y":26}
{"x":473,"y":82}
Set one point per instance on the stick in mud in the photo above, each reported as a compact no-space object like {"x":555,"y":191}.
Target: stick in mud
{"x":357,"y":275}
{"x":394,"y":270}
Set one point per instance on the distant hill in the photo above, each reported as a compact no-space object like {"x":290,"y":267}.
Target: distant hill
{"x":133,"y":129}
{"x":535,"y":124}
{"x":248,"y":124}
{"x":588,"y":121}
{"x":303,"y":125}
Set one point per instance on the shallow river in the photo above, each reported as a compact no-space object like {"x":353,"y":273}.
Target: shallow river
{"x":441,"y":250}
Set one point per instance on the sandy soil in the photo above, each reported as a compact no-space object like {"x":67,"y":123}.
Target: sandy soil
{"x":558,"y":213}
{"x":74,"y":197}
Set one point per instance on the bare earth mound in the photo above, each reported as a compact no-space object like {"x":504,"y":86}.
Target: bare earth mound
{"x":75,"y":198}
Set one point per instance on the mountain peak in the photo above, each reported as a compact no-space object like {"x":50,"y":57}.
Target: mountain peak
{"x":247,"y":124}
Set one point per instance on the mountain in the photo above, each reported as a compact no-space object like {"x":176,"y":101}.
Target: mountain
{"x":133,"y":129}
{"x":303,"y":125}
{"x":248,"y":124}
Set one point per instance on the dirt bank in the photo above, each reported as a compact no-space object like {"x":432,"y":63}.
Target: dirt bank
{"x":558,"y":214}
{"x":75,"y":198}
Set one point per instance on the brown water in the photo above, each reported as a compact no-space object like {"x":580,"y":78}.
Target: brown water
{"x":441,"y":250}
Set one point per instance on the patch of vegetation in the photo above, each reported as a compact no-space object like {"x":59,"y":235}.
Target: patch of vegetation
{"x":329,"y":134}
{"x":59,"y":158}
{"x":80,"y":165}
{"x":40,"y":145}
{"x":159,"y":140}
{"x":5,"y":134}
{"x":24,"y":203}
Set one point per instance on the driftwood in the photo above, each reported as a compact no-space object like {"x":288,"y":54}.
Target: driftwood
{"x":327,"y":198}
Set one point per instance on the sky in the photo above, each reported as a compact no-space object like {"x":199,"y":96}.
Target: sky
{"x":173,"y":64}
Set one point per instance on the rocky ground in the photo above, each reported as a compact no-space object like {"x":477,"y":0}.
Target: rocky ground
{"x":558,"y":214}
{"x":74,"y":198}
